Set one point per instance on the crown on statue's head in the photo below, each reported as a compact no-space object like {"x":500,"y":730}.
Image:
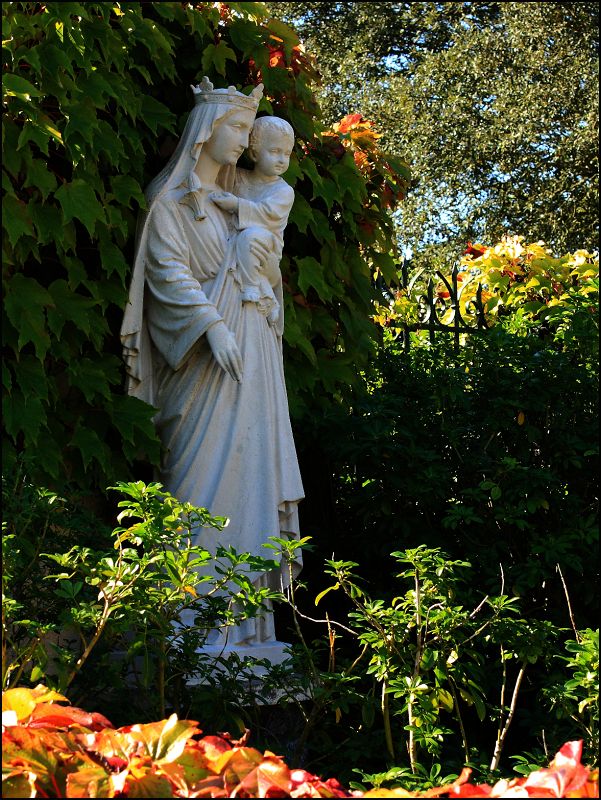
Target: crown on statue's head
{"x":205,"y":93}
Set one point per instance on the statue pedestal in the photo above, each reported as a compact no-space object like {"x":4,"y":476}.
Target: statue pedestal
{"x":274,"y":652}
{"x":271,"y":651}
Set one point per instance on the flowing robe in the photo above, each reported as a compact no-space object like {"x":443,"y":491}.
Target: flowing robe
{"x":228,"y":446}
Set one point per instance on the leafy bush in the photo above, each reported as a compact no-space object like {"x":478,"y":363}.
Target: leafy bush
{"x":488,"y":452}
{"x":556,"y":297}
{"x":126,"y":597}
{"x":577,"y":698}
{"x":52,"y":750}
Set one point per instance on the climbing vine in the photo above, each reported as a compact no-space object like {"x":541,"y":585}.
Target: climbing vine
{"x":94,"y":97}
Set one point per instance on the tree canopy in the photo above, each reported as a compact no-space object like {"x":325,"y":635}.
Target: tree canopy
{"x":494,"y":105}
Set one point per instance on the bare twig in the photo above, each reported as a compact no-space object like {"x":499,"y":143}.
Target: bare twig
{"x":459,"y":718}
{"x":494,"y":764}
{"x":324,"y":621}
{"x":386,"y":718}
{"x":478,"y":607}
{"x":565,"y":589}
{"x":418,"y":657}
{"x":357,"y":660}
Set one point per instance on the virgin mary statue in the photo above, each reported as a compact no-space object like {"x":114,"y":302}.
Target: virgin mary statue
{"x":211,"y":364}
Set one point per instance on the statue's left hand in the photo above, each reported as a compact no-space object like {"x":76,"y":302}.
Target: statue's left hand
{"x":225,"y":350}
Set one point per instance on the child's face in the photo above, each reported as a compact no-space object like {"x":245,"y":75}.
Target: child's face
{"x":272,"y":156}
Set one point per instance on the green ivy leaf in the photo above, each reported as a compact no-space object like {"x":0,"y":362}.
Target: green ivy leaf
{"x":309,"y":168}
{"x":23,"y":414}
{"x":108,"y":142}
{"x":124,"y":187}
{"x":68,"y":307}
{"x":245,"y":37}
{"x":39,"y":176}
{"x":55,"y":60}
{"x":15,"y":85}
{"x":197,"y":22}
{"x":112,"y":258}
{"x":7,"y":380}
{"x":82,"y":121}
{"x":90,"y":446}
{"x":320,"y":227}
{"x":25,"y":303}
{"x":79,"y":201}
{"x":129,"y":414}
{"x":301,"y":213}
{"x":310,"y":273}
{"x":387,"y":265}
{"x":254,"y":11}
{"x":156,"y":115}
{"x":29,"y":374}
{"x":97,"y":88}
{"x":300,"y":120}
{"x":94,"y":377}
{"x":47,"y":220}
{"x":33,"y":133}
{"x":215,"y":56}
{"x":16,"y":219}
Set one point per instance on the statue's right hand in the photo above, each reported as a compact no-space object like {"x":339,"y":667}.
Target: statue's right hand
{"x":225,"y":350}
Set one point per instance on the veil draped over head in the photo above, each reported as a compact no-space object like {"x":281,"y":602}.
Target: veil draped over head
{"x":179,"y":171}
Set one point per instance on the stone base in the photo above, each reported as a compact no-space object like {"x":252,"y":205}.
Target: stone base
{"x":270,"y":651}
{"x":274,"y":652}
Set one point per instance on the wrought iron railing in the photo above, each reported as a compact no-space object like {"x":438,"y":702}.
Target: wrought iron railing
{"x":437,"y":312}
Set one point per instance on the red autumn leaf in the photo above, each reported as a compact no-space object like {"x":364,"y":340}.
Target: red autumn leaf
{"x":241,"y":742}
{"x":565,"y":774}
{"x":213,"y":747}
{"x":360,"y":158}
{"x":238,"y":766}
{"x":90,"y":782}
{"x":47,"y":715}
{"x":470,"y":790}
{"x":367,"y":227}
{"x":276,"y":57}
{"x":165,"y":739}
{"x":346,"y":123}
{"x":273,"y":778}
{"x":149,"y":785}
{"x":387,"y":197}
{"x":474,"y":250}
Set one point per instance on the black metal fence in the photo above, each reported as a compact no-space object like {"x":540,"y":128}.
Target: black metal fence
{"x":439,"y":304}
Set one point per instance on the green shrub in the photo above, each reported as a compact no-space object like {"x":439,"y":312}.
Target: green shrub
{"x":119,"y":600}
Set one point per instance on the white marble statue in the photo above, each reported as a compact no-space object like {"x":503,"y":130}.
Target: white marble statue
{"x":201,"y":341}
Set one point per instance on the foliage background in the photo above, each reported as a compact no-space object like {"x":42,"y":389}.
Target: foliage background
{"x":488,"y":452}
{"x":84,"y":91}
{"x":495,"y":105}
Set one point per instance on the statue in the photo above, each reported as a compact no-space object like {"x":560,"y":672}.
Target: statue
{"x":202,"y":331}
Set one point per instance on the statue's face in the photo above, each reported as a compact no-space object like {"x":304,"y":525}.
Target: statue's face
{"x":272,"y":154}
{"x":230,"y":137}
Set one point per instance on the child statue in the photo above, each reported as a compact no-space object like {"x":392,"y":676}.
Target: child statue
{"x":262,"y":201}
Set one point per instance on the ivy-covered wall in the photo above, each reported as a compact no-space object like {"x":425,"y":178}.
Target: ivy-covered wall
{"x":95,"y":96}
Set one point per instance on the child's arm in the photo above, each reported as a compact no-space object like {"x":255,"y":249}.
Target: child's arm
{"x":225,"y":200}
